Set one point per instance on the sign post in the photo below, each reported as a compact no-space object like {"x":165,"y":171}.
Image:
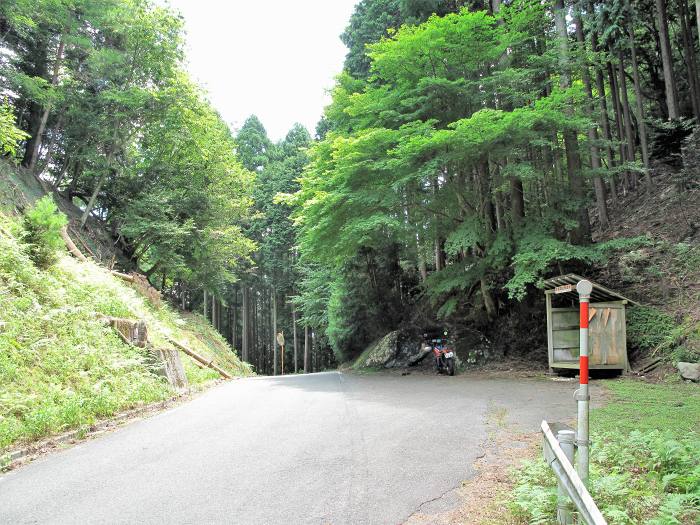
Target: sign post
{"x":280,"y":341}
{"x":584,"y":289}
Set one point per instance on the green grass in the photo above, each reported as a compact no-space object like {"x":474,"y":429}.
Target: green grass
{"x":645,"y":460}
{"x":61,"y":367}
{"x":673,"y":408}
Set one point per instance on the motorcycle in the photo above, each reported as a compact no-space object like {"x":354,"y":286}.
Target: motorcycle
{"x":444,"y":356}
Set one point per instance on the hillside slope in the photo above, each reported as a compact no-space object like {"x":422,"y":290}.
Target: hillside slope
{"x":663,"y":274}
{"x":20,"y":189}
{"x":61,"y":366}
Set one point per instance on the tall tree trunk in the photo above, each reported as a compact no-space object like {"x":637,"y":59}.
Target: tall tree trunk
{"x":314,"y":351}
{"x":422,"y":268}
{"x":603,"y":109}
{"x":61,"y":175}
{"x":234,"y":320}
{"x":439,"y":254}
{"x":517,"y":193}
{"x":517,"y":199}
{"x":93,"y":198}
{"x":487,"y":209}
{"x":50,"y":148}
{"x":206,"y":305}
{"x":34,"y":122}
{"x":254,"y":330}
{"x":617,"y":105}
{"x":294,"y":335}
{"x":439,"y":242}
{"x":697,"y":16}
{"x":306,"y":348}
{"x":489,"y":303}
{"x":629,"y":133}
{"x":245,"y":330}
{"x":273,"y":302}
{"x":45,"y":114}
{"x":667,"y":61}
{"x":582,"y":234}
{"x":598,"y":184}
{"x":689,"y":51}
{"x":641,"y":123}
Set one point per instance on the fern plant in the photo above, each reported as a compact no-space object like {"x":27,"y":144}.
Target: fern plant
{"x":42,"y":225}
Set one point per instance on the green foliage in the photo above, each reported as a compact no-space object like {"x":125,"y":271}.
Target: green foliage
{"x":644,"y":460}
{"x":43,"y":224}
{"x":537,"y":252}
{"x":61,"y":367}
{"x":131,"y":135}
{"x":184,"y":221}
{"x":669,"y":137}
{"x":649,"y":329}
{"x":656,"y":333}
{"x":368,"y":24}
{"x":534,"y":497}
{"x":417,"y":156}
{"x":9,"y":134}
{"x":363,"y":302}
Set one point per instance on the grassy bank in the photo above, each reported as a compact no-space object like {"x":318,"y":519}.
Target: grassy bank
{"x":61,"y":367}
{"x":645,"y":460}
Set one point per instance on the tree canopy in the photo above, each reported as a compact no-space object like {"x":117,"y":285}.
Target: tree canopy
{"x":470,"y":148}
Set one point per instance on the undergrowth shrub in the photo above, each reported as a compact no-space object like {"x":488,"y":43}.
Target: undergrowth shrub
{"x":654,"y":332}
{"x":645,"y":460}
{"x":649,"y":328}
{"x":61,"y":366}
{"x":646,"y":478}
{"x":10,"y":135}
{"x":42,"y":224}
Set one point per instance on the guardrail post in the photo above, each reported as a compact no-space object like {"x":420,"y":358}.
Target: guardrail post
{"x":584,"y":289}
{"x":566,"y":440}
{"x":568,"y":479}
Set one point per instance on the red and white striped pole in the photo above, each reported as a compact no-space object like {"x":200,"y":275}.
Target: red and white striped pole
{"x":584,"y":289}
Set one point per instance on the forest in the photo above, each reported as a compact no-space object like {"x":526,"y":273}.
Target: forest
{"x":470,"y":149}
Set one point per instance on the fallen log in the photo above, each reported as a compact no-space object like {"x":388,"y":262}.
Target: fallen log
{"x":206,"y":362}
{"x":82,"y":243}
{"x":72,"y":248}
{"x":141,"y":283}
{"x":123,"y":276}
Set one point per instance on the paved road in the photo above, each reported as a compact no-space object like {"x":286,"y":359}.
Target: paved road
{"x":321,"y":449}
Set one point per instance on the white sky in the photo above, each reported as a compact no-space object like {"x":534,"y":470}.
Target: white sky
{"x":273,"y":58}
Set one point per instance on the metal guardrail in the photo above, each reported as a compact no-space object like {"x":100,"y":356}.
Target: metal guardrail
{"x":559,"y":454}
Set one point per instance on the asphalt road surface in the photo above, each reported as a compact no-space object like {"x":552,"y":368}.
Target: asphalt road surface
{"x":325,"y":448}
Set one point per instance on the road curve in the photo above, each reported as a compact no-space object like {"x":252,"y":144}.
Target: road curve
{"x":324,"y":448}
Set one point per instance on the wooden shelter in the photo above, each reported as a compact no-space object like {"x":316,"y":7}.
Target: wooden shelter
{"x":607,"y":334}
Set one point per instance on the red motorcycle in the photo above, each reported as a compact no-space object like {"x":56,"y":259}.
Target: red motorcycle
{"x":444,"y":355}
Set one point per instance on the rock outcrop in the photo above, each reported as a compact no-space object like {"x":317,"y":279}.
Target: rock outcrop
{"x":398,"y":349}
{"x":689,"y":371}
